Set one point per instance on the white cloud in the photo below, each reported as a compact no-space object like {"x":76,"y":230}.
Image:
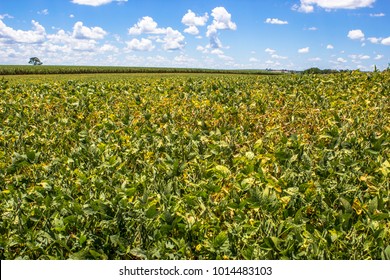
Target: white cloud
{"x":303,"y":8}
{"x":312,"y":28}
{"x":184,"y":60}
{"x":341,"y":60}
{"x":71,"y":15}
{"x":225,"y":57}
{"x":5,"y":16}
{"x":108,"y":48}
{"x":374,"y":40}
{"x":356,"y":34}
{"x":253,"y":59}
{"x":379,"y":56}
{"x":200,"y":48}
{"x":330,"y":47}
{"x":193,"y":30}
{"x":386,"y":41}
{"x":304,"y":50}
{"x":192,"y":21}
{"x":44,"y":12}
{"x":307,"y":6}
{"x":66,"y":42}
{"x":275,"y":56}
{"x":82,"y":32}
{"x":146,"y":25}
{"x":377,"y":15}
{"x":173,"y":40}
{"x":217,"y":51}
{"x":77,"y":46}
{"x":221,"y":21}
{"x":275,"y":21}
{"x":140,"y":45}
{"x":315,"y":59}
{"x":270,"y":51}
{"x":36,"y":35}
{"x":270,"y":63}
{"x":359,"y":56}
{"x":95,"y":3}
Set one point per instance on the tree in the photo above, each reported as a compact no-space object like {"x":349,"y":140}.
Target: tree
{"x":35,"y":61}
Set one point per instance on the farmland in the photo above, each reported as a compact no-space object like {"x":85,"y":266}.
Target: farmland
{"x":195,"y":167}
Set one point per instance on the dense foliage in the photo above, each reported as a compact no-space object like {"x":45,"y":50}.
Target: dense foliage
{"x":212,"y":167}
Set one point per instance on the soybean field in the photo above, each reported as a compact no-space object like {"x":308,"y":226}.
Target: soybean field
{"x":204,"y":166}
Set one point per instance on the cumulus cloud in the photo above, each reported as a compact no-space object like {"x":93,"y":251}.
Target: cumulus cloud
{"x":108,"y":48}
{"x":374,"y":40}
{"x":356,"y":34}
{"x":81,"y":39}
{"x":193,"y":30}
{"x":80,"y":45}
{"x":307,"y":6}
{"x":221,"y":21}
{"x":303,"y":8}
{"x":173,"y":40}
{"x":82,"y":32}
{"x":380,"y":40}
{"x":330,"y":47}
{"x":95,"y":3}
{"x":170,"y":38}
{"x":386,"y":41}
{"x":63,"y":41}
{"x":10,"y":35}
{"x":341,"y":60}
{"x":192,"y":21}
{"x":304,"y":50}
{"x":146,"y":25}
{"x":378,"y":57}
{"x":275,"y":21}
{"x":270,"y":51}
{"x":140,"y":45}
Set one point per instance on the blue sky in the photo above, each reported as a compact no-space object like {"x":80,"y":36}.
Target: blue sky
{"x":245,"y":34}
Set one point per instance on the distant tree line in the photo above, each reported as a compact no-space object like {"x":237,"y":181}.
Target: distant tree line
{"x":315,"y":70}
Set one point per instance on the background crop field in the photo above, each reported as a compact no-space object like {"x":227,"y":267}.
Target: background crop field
{"x":195,"y":167}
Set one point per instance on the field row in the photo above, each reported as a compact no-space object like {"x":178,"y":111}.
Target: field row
{"x":43,"y":69}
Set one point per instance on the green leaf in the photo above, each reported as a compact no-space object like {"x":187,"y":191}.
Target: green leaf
{"x":347,"y":206}
{"x":386,"y":253}
{"x":151,"y":212}
{"x":82,"y":239}
{"x":373,"y":205}
{"x":32,"y":156}
{"x":222,"y":170}
{"x":220,"y":241}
